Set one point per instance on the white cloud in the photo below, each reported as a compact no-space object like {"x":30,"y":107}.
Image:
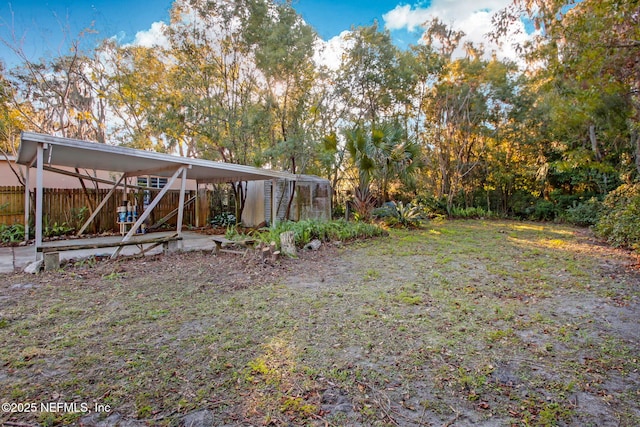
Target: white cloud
{"x":406,"y":17}
{"x":471,"y":16}
{"x":214,"y":26}
{"x":329,"y":53}
{"x":153,"y":37}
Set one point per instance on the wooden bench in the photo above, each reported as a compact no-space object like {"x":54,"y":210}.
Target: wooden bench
{"x":222,"y":242}
{"x":52,"y":253}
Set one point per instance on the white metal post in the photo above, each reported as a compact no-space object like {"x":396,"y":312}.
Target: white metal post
{"x":39,"y":198}
{"x":152,"y":205}
{"x":147,"y":211}
{"x":183,"y":187}
{"x":100,"y":206}
{"x":274,"y":205}
{"x":27,"y":204}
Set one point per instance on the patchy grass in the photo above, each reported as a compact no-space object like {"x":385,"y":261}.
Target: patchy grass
{"x":462,"y":323}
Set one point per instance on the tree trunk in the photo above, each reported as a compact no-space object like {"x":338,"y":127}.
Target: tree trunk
{"x":635,"y":140}
{"x":240,"y":195}
{"x":292,"y":187}
{"x":288,"y":243}
{"x":17,"y":171}
{"x":594,"y":142}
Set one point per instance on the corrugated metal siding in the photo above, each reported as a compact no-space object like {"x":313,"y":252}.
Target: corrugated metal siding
{"x":312,"y":200}
{"x":282,"y":192}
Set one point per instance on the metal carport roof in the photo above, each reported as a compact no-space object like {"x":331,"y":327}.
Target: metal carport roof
{"x":77,"y":153}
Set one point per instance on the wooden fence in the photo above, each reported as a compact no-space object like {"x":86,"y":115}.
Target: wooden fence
{"x":71,"y":207}
{"x":11,"y":205}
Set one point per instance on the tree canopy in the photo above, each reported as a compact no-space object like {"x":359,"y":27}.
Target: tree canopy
{"x":238,"y":82}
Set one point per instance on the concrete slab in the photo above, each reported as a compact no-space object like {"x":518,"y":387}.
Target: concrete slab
{"x":15,"y":258}
{"x":6,"y":260}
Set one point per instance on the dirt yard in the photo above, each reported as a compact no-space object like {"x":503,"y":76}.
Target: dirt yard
{"x":464,"y":323}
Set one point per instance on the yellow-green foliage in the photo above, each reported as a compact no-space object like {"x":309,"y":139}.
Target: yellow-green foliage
{"x":620,"y":223}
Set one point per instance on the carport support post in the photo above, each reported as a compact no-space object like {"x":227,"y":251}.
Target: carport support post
{"x":198,"y":204}
{"x":39,"y":183}
{"x":147,"y":211}
{"x":183,"y":187}
{"x":274,"y":204}
{"x":100,"y":206}
{"x":27,"y":204}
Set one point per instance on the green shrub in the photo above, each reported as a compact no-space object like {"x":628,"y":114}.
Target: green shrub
{"x":338,"y":211}
{"x":401,"y":214}
{"x":521,"y":204}
{"x":468,"y":213}
{"x":619,"y":223}
{"x":224,"y":220}
{"x":409,"y":215}
{"x":433,"y":207}
{"x":55,"y":229}
{"x":584,"y":214}
{"x":307,"y":230}
{"x":11,"y":233}
{"x":562,"y":202}
{"x":384,"y":211}
{"x":543,"y":210}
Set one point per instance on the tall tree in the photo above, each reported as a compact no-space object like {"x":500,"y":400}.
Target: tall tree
{"x":381,"y":155}
{"x":140,"y":95}
{"x":283,"y":46}
{"x":62,"y":96}
{"x":455,"y":112}
{"x":589,"y":53}
{"x":370,"y":78}
{"x":10,"y":124}
{"x":284,"y":54}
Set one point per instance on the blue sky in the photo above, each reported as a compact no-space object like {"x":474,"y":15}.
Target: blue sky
{"x":41,"y":23}
{"x":330,"y":18}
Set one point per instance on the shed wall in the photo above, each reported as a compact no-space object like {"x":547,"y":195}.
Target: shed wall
{"x":312,"y":200}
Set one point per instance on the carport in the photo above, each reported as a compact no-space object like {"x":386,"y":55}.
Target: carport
{"x":48,"y":152}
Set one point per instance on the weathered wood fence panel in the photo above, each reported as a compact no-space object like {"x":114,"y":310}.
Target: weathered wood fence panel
{"x":168,"y":203}
{"x":11,"y":205}
{"x":71,"y":207}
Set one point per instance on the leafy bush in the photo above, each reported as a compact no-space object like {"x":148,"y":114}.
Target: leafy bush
{"x":338,"y":211}
{"x":55,"y":229}
{"x":467,"y":213}
{"x":563,"y":202}
{"x":521,"y":204}
{"x":383,"y":211}
{"x":224,"y":220}
{"x":584,"y":214}
{"x":619,"y":223}
{"x":433,"y":207}
{"x":363,"y":203}
{"x":543,"y":210}
{"x":11,"y":233}
{"x":233,"y":233}
{"x":405,"y":215}
{"x":307,"y":230}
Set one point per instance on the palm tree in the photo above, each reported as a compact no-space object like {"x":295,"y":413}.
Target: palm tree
{"x":381,"y":155}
